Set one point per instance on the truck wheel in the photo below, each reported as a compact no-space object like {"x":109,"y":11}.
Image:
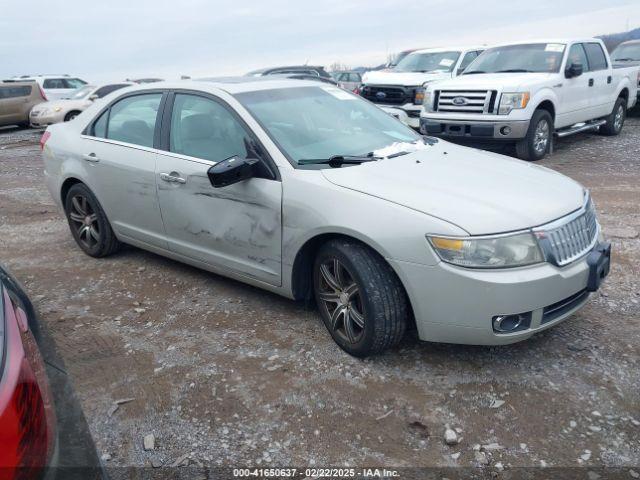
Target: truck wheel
{"x":88,"y":222}
{"x":535,"y":145}
{"x":361,"y":300}
{"x":615,"y":120}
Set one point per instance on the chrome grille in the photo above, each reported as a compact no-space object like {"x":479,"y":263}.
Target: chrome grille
{"x":470,"y":101}
{"x":573,"y":239}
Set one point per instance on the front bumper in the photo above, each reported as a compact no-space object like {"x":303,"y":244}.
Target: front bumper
{"x":457,"y":305}
{"x":45,"y":120}
{"x":487,"y":130}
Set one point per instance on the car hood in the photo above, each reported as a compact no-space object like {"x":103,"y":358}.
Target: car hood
{"x":497,"y":81}
{"x":407,"y":79}
{"x":480,"y":192}
{"x":63,"y":104}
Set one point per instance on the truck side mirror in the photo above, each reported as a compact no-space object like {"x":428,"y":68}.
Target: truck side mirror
{"x":575,"y":70}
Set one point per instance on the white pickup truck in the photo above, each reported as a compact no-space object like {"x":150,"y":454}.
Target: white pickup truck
{"x":526,"y":92}
{"x":400,"y":91}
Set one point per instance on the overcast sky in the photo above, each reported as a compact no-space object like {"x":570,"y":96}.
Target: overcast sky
{"x":114,"y":39}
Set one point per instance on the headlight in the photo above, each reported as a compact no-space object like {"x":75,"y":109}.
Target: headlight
{"x":419,"y":96}
{"x":426,"y":101}
{"x":57,"y":109}
{"x":500,"y":251}
{"x":44,"y":111}
{"x":511,"y":101}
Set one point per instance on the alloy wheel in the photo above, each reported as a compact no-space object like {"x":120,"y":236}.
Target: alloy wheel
{"x":619,"y":118}
{"x":85,"y":221}
{"x":340,"y":297}
{"x":541,"y":137}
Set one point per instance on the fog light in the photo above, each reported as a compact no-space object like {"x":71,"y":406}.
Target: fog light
{"x":510,"y":323}
{"x":506,"y":130}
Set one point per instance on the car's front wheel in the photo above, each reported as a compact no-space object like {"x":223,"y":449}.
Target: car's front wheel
{"x":88,"y":222}
{"x":539,"y":136}
{"x":361,"y":299}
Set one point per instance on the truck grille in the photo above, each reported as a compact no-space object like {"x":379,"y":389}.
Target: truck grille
{"x":388,"y":95}
{"x":573,"y":239}
{"x":468,"y":101}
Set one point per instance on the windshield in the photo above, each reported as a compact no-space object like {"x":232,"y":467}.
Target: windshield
{"x":321,"y":122}
{"x":81,"y":92}
{"x":428,"y":62}
{"x":627,"y":53}
{"x":533,"y":57}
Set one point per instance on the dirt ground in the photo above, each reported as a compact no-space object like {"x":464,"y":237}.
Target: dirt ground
{"x":225,"y":374}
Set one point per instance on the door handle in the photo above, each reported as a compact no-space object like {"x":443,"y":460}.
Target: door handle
{"x":172,"y":177}
{"x":591,"y":82}
{"x":91,"y":157}
{"x":609,"y":79}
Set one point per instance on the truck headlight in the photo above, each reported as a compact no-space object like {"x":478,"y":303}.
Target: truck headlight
{"x":512,"y":101}
{"x":499,"y":251}
{"x":419,"y":96}
{"x":426,"y":100}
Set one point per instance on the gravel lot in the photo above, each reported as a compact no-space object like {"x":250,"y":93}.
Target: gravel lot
{"x":225,"y":374}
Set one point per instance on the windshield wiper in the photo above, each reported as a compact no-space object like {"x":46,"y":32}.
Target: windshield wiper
{"x":514,"y":70}
{"x":472,"y":72}
{"x":338,"y":160}
{"x":625,"y":60}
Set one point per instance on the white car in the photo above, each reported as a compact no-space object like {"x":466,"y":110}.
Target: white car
{"x":54,"y":86}
{"x":400,"y":91}
{"x":525,"y":92}
{"x":68,"y":108}
{"x":306,"y":190}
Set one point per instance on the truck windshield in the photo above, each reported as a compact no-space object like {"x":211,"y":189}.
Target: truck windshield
{"x":533,"y":57}
{"x":627,"y":53}
{"x":315,"y":123}
{"x":428,"y":62}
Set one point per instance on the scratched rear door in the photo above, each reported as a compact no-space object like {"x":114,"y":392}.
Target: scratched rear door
{"x":236,"y":228}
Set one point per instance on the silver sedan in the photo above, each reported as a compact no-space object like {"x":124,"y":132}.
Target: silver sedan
{"x":309,"y":191}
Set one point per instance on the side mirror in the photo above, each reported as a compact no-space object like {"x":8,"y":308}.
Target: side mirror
{"x":232,"y":170}
{"x":575,"y":70}
{"x":94,"y":97}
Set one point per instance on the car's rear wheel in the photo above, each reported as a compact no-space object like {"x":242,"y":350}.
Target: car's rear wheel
{"x":539,"y":136}
{"x":71,"y":115}
{"x":88,"y":222}
{"x":615,"y":120}
{"x":361,"y":300}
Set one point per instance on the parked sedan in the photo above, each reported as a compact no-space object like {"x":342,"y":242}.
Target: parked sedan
{"x":43,"y":431}
{"x":309,"y":191}
{"x":68,"y":108}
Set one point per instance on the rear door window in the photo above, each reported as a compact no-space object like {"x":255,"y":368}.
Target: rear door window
{"x":74,"y":83}
{"x":597,"y":58}
{"x":133,"y":119}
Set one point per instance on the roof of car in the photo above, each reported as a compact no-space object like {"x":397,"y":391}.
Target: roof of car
{"x":286,"y":67}
{"x":231,"y":85}
{"x":449,"y":49}
{"x":547,"y":40}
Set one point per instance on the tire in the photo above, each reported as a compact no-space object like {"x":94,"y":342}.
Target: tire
{"x":71,"y":115}
{"x":615,"y":120}
{"x":535,"y":145}
{"x":370,"y":308}
{"x":88,"y":222}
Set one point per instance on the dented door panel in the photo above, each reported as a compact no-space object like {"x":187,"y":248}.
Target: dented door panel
{"x":238,"y":228}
